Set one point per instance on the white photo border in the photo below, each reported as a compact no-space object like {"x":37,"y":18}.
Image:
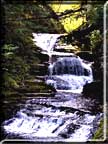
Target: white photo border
{"x":104,"y":93}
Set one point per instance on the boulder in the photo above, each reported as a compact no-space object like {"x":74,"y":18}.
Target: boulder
{"x":94,"y":90}
{"x":97,"y":68}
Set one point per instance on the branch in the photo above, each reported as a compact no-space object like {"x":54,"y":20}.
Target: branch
{"x":70,"y":12}
{"x":80,"y":36}
{"x":85,"y":31}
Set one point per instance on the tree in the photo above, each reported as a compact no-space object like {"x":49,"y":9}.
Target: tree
{"x":19,"y":52}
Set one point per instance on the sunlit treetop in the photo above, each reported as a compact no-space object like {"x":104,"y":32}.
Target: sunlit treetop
{"x":70,"y":15}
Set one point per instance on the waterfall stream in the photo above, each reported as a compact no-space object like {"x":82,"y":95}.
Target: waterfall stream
{"x":69,"y":73}
{"x":67,"y":116}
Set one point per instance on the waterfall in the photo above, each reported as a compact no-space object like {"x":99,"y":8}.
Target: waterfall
{"x":69,"y":65}
{"x":45,"y":41}
{"x":64,"y":117}
{"x":69,"y":74}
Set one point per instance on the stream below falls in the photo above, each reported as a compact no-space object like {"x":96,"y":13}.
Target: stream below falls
{"x":66,"y":116}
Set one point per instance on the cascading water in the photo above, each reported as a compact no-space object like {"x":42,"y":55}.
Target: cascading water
{"x":45,"y":41}
{"x":69,"y":73}
{"x":65,"y":117}
{"x":70,"y":65}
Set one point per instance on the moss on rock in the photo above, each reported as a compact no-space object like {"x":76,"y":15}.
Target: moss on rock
{"x":36,"y":87}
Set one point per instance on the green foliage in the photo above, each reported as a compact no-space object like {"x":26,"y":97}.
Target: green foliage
{"x":19,"y":52}
{"x":95,"y":38}
{"x":15,"y":68}
{"x":8,"y":50}
{"x":9,"y":81}
{"x":9,"y":47}
{"x":95,"y":13}
{"x":95,"y":17}
{"x":100,"y":132}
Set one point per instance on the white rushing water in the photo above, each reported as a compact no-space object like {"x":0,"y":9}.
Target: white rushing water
{"x":69,"y":74}
{"x":66,"y":116}
{"x":46,"y":41}
{"x":52,"y":121}
{"x":68,"y":82}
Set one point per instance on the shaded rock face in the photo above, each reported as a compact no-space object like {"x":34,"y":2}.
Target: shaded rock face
{"x":86,"y":56}
{"x":40,"y":67}
{"x":64,"y":50}
{"x":35,"y":86}
{"x":43,"y":57}
{"x":94,"y":90}
{"x":97,"y":69}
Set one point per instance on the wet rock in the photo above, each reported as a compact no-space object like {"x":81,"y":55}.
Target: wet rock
{"x":44,"y":57}
{"x":94,"y":90}
{"x":39,"y":69}
{"x":86,"y":56}
{"x":70,"y":129}
{"x":64,"y":50}
{"x":8,"y":121}
{"x":36,"y":87}
{"x":60,"y":50}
